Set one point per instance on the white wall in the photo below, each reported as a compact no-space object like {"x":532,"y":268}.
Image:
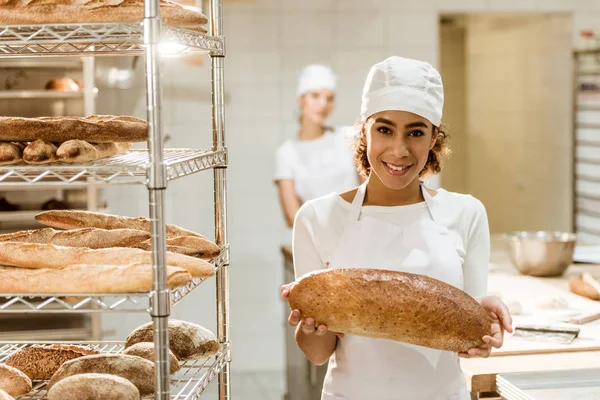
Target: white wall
{"x":268,"y":41}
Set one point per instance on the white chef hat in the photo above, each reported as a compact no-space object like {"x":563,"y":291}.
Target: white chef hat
{"x":314,"y":77}
{"x":404,"y":84}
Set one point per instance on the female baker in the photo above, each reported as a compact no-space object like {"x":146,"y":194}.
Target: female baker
{"x":393,"y":221}
{"x":319,"y":160}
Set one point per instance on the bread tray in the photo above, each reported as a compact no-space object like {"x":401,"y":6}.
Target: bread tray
{"x":84,"y":303}
{"x":189,"y":383}
{"x":573,"y":384}
{"x":117,"y":38}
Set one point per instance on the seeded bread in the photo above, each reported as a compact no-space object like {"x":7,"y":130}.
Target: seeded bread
{"x":43,"y":361}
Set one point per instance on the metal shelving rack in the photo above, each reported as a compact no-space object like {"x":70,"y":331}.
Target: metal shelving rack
{"x":154,"y":168}
{"x":586,"y":145}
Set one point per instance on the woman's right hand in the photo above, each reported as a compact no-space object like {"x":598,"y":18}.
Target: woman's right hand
{"x":308,"y":325}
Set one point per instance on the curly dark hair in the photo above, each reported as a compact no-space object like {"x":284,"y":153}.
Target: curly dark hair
{"x":435,"y":160}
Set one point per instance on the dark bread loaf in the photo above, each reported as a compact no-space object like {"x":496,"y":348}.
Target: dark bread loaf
{"x":392,"y":305}
{"x":43,"y":361}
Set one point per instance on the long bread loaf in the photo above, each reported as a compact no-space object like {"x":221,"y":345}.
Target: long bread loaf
{"x":81,"y":11}
{"x":36,"y":255}
{"x":137,"y":370}
{"x":93,"y":238}
{"x":94,"y":387}
{"x":87,"y":279}
{"x":189,"y":245}
{"x":95,"y":128}
{"x":73,"y":219}
{"x":391,"y":305}
{"x":79,"y":151}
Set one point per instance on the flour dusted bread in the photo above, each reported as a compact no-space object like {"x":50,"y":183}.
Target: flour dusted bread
{"x":10,"y":153}
{"x":79,"y":151}
{"x":146,"y":350}
{"x":188,"y":341}
{"x":189,"y":245}
{"x":392,"y":305}
{"x":87,"y":279}
{"x":37,"y":255}
{"x":41,"y":362}
{"x":43,"y":235}
{"x":135,"y":369}
{"x":40,"y":152}
{"x":81,"y":11}
{"x":95,"y":128}
{"x":73,"y":219}
{"x":94,"y":387}
{"x":93,"y":238}
{"x":13,"y":381}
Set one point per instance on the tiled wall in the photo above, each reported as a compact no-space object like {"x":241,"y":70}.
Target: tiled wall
{"x":268,"y":41}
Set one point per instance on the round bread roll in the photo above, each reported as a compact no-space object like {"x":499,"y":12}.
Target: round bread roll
{"x":146,"y":350}
{"x":13,"y":381}
{"x":5,"y":396}
{"x":63,"y":85}
{"x":94,"y":387}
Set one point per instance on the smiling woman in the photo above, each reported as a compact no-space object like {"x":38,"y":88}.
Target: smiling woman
{"x":393,"y":222}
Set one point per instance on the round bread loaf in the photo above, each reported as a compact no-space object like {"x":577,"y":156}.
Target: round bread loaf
{"x":13,"y":381}
{"x":94,"y":387}
{"x":146,"y":350}
{"x":41,"y":362}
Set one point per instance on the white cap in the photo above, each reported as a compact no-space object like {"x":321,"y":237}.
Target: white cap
{"x":404,"y":84}
{"x":315,"y":77}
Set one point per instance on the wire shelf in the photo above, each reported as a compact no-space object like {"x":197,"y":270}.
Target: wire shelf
{"x":97,"y":303}
{"x":189,"y":383}
{"x":125,"y":38}
{"x":128,"y":168}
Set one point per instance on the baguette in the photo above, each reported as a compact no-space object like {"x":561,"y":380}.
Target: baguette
{"x":94,"y":387}
{"x":36,"y":255}
{"x":13,"y":381}
{"x":79,"y":151}
{"x":39,"y":152}
{"x":10,"y":153}
{"x":18,"y":12}
{"x":189,"y":245}
{"x":96,"y":128}
{"x":187,"y":341}
{"x":87,"y":279}
{"x":93,"y":238}
{"x":584,"y":289}
{"x":5,"y":396}
{"x":42,"y":362}
{"x":135,"y":369}
{"x":73,"y":219}
{"x":391,"y":305}
{"x":146,"y":350}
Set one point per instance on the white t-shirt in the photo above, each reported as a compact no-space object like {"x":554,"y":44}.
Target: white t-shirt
{"x":319,"y":225}
{"x":318,"y":167}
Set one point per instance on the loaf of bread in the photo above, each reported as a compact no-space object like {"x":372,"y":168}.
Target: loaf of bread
{"x":5,"y":396}
{"x":392,"y":305}
{"x":19,"y":12}
{"x":94,"y":387}
{"x":13,"y":381}
{"x":73,"y":219}
{"x":39,"y":152}
{"x":189,"y":245}
{"x":146,"y":350}
{"x":42,"y":362}
{"x":135,"y":369}
{"x":10,"y":153}
{"x":87,"y":279}
{"x":584,"y":289}
{"x":39,"y":255}
{"x":80,"y":151}
{"x":96,"y":128}
{"x":62,"y":84}
{"x":187,"y":341}
{"x":93,"y":238}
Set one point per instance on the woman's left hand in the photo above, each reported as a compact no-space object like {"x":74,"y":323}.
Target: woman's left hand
{"x":501,"y":321}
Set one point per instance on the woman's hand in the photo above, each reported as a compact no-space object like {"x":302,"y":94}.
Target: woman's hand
{"x":308,"y":326}
{"x":501,"y":321}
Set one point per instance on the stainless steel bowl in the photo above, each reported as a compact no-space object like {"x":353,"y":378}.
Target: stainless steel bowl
{"x":541,"y":253}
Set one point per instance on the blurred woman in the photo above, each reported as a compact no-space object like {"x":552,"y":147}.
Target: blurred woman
{"x":318,"y":161}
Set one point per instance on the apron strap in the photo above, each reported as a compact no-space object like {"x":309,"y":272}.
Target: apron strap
{"x":430,"y":202}
{"x":357,"y":203}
